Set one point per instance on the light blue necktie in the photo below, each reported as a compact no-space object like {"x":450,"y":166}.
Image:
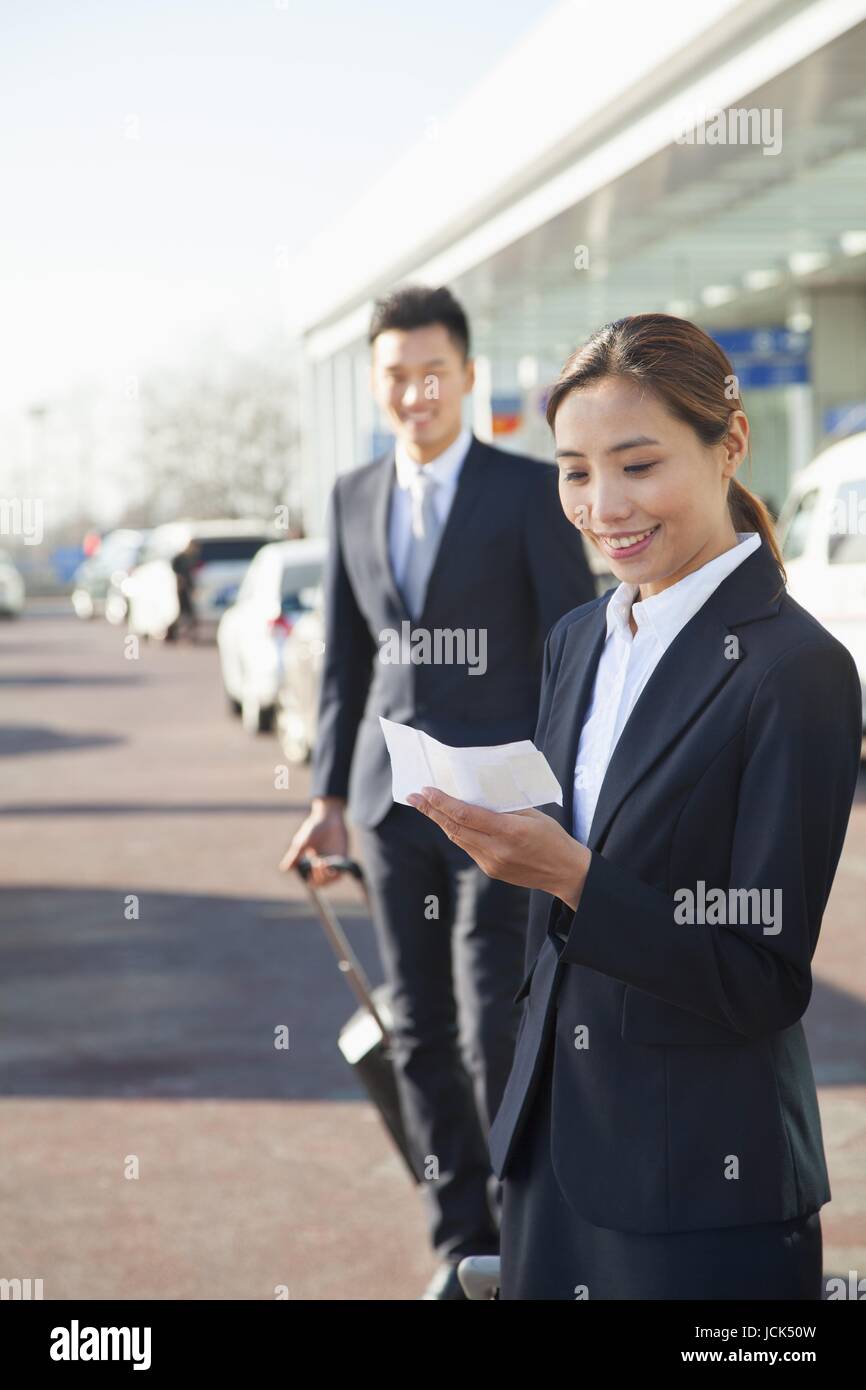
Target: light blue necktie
{"x":423,"y":545}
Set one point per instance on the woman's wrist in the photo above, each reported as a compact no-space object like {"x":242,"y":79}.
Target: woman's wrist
{"x":570,"y":885}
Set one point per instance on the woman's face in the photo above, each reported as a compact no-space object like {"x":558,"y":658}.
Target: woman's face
{"x":641,"y":486}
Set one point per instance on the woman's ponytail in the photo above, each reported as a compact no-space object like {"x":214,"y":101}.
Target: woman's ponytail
{"x":749,"y":513}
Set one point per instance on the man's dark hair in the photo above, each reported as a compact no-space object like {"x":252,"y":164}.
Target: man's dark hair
{"x":416,"y":306}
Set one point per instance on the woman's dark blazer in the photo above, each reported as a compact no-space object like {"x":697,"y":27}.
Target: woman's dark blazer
{"x":689,"y":1100}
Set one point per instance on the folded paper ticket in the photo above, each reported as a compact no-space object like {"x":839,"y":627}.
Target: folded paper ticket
{"x":504,"y":777}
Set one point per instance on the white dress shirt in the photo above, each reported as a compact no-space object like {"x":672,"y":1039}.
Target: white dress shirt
{"x":628,"y":661}
{"x":445,"y":468}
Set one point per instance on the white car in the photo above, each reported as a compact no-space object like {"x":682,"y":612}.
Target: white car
{"x":298,"y":698}
{"x":278,"y":587}
{"x":226,"y":548}
{"x":822,"y":527}
{"x":11,"y":587}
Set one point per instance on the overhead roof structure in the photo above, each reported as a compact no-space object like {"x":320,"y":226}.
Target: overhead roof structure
{"x":575,"y":140}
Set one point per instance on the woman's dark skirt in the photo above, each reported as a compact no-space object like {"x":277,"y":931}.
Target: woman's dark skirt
{"x":549,"y":1251}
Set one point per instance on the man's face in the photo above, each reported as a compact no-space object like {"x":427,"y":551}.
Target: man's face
{"x":419,"y":379}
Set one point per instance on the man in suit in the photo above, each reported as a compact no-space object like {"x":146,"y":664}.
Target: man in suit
{"x":449,"y":561}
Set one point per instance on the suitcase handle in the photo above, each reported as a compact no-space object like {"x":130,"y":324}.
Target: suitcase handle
{"x":346,"y":958}
{"x":339,"y":862}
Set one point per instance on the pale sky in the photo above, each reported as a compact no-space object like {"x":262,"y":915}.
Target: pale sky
{"x":157,"y":157}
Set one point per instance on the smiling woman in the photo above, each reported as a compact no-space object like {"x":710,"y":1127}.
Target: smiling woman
{"x":650,"y":432}
{"x":659,"y":1135}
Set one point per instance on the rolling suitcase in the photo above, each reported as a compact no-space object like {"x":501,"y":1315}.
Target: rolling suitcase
{"x":364,"y":1039}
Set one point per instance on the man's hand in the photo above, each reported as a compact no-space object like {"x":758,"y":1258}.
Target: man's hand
{"x":527,"y":848}
{"x":322,"y":833}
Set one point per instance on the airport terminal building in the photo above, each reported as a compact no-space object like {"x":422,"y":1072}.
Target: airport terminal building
{"x":706,"y":160}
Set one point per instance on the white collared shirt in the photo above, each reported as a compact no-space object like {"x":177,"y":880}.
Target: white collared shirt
{"x":445,"y":468}
{"x":627,"y":661}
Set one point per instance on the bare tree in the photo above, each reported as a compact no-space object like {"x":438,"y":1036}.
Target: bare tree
{"x":220,"y":439}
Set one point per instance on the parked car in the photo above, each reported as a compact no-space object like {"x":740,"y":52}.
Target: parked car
{"x":298,"y":695}
{"x":303,"y":658}
{"x":225,"y":551}
{"x":98,"y":581}
{"x":822,"y":528}
{"x":11,"y":587}
{"x":253,"y":632}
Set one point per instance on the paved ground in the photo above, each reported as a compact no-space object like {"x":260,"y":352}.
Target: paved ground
{"x":149,"y":1038}
{"x":154,"y":1037}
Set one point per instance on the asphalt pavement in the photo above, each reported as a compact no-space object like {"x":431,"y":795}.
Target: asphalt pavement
{"x":156,"y":1144}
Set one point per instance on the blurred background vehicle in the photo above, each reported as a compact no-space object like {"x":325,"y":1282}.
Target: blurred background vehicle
{"x":226,"y":549}
{"x":253,"y":633}
{"x":298,"y":695}
{"x":11,"y":587}
{"x":822,"y":528}
{"x":98,"y":581}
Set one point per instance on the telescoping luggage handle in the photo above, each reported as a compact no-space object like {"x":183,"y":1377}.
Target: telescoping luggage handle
{"x":346,"y":958}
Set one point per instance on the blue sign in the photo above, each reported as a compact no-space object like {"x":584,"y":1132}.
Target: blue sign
{"x":65,"y":561}
{"x":842,"y":420}
{"x":766,"y":357}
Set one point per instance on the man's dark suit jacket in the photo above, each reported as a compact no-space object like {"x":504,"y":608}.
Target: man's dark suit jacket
{"x":508,"y":562}
{"x":693,"y":1104}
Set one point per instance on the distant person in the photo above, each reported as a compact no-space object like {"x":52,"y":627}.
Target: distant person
{"x":447,"y":535}
{"x":184,"y":565}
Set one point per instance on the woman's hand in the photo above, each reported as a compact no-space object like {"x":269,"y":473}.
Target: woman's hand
{"x":521,"y":847}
